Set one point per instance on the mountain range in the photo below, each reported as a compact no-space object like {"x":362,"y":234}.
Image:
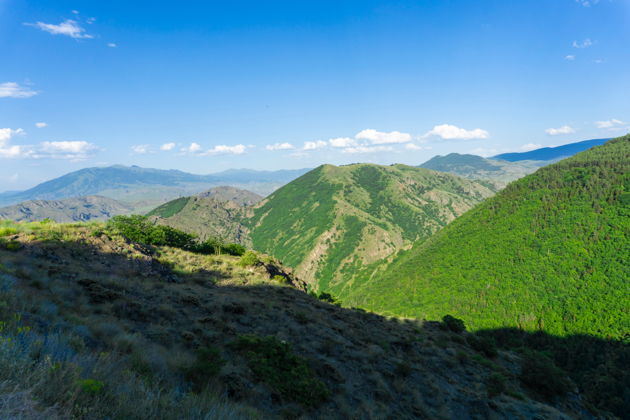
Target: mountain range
{"x":144,"y":188}
{"x":552,"y":153}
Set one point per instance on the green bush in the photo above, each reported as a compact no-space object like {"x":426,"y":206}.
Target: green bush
{"x":483,"y":344}
{"x":235,"y":249}
{"x":274,"y":363}
{"x":207,"y":366}
{"x":139,"y":229}
{"x":6,"y":231}
{"x":541,"y":375}
{"x":327,"y":297}
{"x":248,"y":259}
{"x":495,"y":384}
{"x":91,"y":386}
{"x":454,"y":324}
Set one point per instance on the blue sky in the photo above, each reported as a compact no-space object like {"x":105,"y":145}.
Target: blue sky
{"x":206,"y":86}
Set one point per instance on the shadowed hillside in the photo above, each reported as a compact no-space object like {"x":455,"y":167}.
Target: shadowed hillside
{"x":96,"y":326}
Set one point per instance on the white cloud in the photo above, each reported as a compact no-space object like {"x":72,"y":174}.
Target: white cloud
{"x":141,"y":149}
{"x":451,"y":132}
{"x":367,"y":149}
{"x":74,"y":150}
{"x":413,"y":146}
{"x":587,"y":3}
{"x":280,"y":146}
{"x":41,"y":124}
{"x":7,"y":133}
{"x":68,"y":27}
{"x":90,"y":21}
{"x":193,"y":148}
{"x":342,"y":142}
{"x":167,"y":146}
{"x":612,"y":123}
{"x":379,"y":137}
{"x":565,"y":129}
{"x":314,"y":145}
{"x":14,"y":90}
{"x":76,"y":12}
{"x":569,"y":57}
{"x":112,"y":44}
{"x":584,"y":44}
{"x":530,"y":146}
{"x":222,"y":149}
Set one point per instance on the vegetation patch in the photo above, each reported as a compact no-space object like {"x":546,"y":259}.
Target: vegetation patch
{"x":273,"y":362}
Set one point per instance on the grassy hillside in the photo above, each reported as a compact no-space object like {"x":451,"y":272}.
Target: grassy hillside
{"x":93,"y":325}
{"x":80,"y":209}
{"x":549,"y":252}
{"x":497,"y":173}
{"x":335,"y":222}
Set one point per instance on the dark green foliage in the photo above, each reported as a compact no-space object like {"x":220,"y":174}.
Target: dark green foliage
{"x":326,"y":297}
{"x":170,"y":209}
{"x":140,"y":229}
{"x":541,"y":375}
{"x":207,"y":366}
{"x":483,"y":344}
{"x":274,"y":363}
{"x":549,"y":252}
{"x":598,"y":367}
{"x":495,"y":384}
{"x":248,"y":259}
{"x":454,"y":324}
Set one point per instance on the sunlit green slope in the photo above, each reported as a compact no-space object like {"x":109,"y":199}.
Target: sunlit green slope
{"x":334,"y":222}
{"x":551,"y":251}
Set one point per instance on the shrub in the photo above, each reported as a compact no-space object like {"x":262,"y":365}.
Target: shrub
{"x":327,"y":297}
{"x":274,"y":363}
{"x":207,"y":366}
{"x":483,"y":344}
{"x":6,"y":231}
{"x":495,"y":384}
{"x":235,"y":249}
{"x":91,"y":386}
{"x":454,"y":324}
{"x":280,"y":279}
{"x":541,"y":375}
{"x":248,"y":259}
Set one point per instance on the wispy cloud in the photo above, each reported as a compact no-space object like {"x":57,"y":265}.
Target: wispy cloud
{"x":452,"y":132}
{"x":530,"y":146}
{"x":73,"y":150}
{"x":379,"y":137}
{"x":6,"y":134}
{"x":583,"y":44}
{"x":193,"y":148}
{"x":112,"y":45}
{"x":587,"y":3}
{"x":41,"y":124}
{"x":167,"y":146}
{"x":367,"y":149}
{"x":569,"y":57}
{"x":342,"y":142}
{"x":68,"y":27}
{"x":223,"y":149}
{"x":141,"y":149}
{"x":565,"y":129}
{"x":280,"y":146}
{"x":610,"y":124}
{"x":314,"y":145}
{"x":14,"y":90}
{"x":413,"y":146}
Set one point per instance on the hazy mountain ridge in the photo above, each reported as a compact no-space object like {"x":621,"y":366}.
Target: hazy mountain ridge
{"x":146,"y":187}
{"x":79,"y":209}
{"x":552,"y":153}
{"x":500,"y":173}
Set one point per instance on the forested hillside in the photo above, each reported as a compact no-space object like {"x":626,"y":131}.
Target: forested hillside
{"x":334,"y":222}
{"x":549,"y":252}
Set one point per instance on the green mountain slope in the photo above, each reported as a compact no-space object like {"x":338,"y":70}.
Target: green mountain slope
{"x":500,"y":173}
{"x":79,"y":209}
{"x":548,"y":252}
{"x":216,"y":213}
{"x":335,"y":222}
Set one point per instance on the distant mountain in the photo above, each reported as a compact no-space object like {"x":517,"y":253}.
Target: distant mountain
{"x":216,"y":213}
{"x":479,"y":168}
{"x":552,"y":153}
{"x":145,"y":187}
{"x":335,"y":221}
{"x":549,"y":252}
{"x":79,"y":209}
